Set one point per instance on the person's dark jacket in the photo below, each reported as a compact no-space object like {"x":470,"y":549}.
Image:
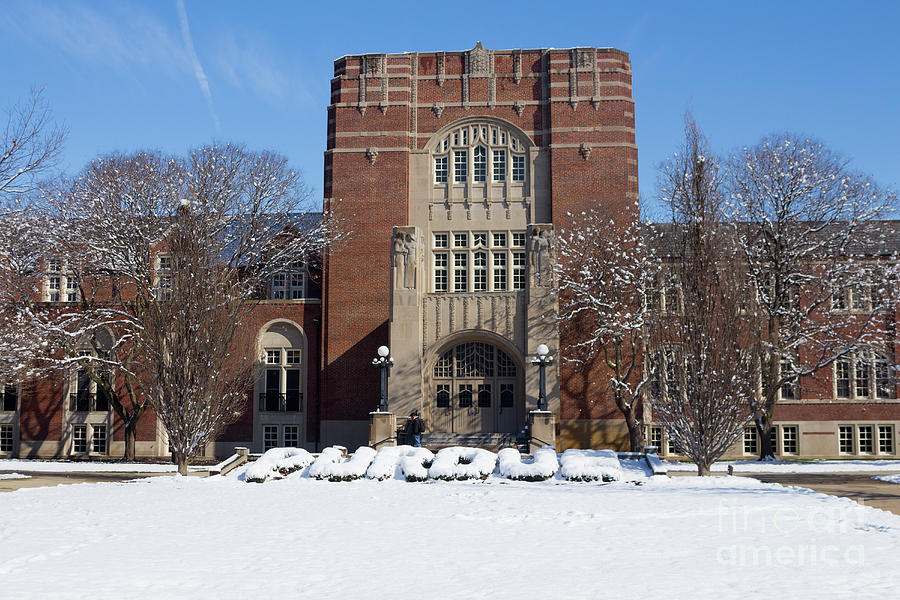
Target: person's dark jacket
{"x":416,"y":426}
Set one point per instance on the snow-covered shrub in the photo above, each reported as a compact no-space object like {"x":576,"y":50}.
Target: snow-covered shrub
{"x":333,"y":467}
{"x":391,"y":462}
{"x":590,"y":465}
{"x":462,"y":463}
{"x":277,"y":460}
{"x":543,"y":466}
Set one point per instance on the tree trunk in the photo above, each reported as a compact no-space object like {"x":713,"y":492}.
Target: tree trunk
{"x":703,"y":469}
{"x":635,"y":433}
{"x":130,"y":437}
{"x":180,"y":460}
{"x":763,"y":425}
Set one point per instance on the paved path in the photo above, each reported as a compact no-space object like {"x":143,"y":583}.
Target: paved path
{"x":43,"y":479}
{"x":857,"y":485}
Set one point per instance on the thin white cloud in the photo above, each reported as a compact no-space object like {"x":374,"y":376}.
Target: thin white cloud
{"x":248,"y":64}
{"x":199,"y":73}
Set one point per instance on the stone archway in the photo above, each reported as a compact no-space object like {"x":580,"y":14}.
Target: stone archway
{"x":475,"y":386}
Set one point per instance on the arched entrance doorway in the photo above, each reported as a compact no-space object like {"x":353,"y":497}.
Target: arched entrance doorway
{"x":476,"y":387}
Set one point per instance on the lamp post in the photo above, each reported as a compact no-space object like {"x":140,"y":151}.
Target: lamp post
{"x":384,"y":362}
{"x":542,"y":359}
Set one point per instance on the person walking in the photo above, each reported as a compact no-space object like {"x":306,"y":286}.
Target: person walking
{"x":415,"y":426}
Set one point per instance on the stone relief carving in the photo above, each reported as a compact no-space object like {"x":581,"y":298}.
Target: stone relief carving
{"x":404,"y":251}
{"x":541,"y":255}
{"x":440,"y":69}
{"x":375,"y":64}
{"x":585,"y":151}
{"x":371,"y":154}
{"x":519,"y":107}
{"x":479,"y":60}
{"x":517,"y":66}
{"x":438,"y":109}
{"x":585,"y":58}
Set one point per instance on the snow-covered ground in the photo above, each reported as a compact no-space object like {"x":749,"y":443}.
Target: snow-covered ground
{"x":684,"y":537}
{"x":888,"y":478}
{"x":14,"y":476}
{"x":63,"y":466}
{"x":783,"y":466}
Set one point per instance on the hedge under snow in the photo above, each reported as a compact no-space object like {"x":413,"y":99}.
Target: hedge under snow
{"x":462,"y":463}
{"x":282,"y":461}
{"x":331,"y":464}
{"x":400,"y":462}
{"x":590,"y":465}
{"x":543,"y":466}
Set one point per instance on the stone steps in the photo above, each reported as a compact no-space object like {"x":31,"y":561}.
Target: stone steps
{"x":488,"y":441}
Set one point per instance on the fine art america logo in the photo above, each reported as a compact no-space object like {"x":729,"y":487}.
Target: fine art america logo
{"x":769,"y":535}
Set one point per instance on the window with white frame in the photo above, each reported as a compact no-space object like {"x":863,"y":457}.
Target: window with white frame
{"x":291,"y":436}
{"x":751,"y":441}
{"x":885,"y":439}
{"x":863,"y":374}
{"x":789,"y":439}
{"x":866,"y":439}
{"x":479,"y":153}
{"x":845,"y":439}
{"x":289,"y":284}
{"x":98,"y":439}
{"x":79,"y":439}
{"x":655,"y":437}
{"x":787,"y":388}
{"x":6,"y":438}
{"x":282,"y":381}
{"x":60,"y":283}
{"x":481,"y":261}
{"x":164,"y":277}
{"x":270,"y":437}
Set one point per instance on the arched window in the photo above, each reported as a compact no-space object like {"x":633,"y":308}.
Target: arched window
{"x":479,"y":153}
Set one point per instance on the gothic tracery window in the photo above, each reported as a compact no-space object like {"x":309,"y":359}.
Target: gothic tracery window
{"x":479,"y":153}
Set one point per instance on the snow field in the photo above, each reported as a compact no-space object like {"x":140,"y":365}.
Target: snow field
{"x":590,"y":465}
{"x":888,"y":478}
{"x":785,"y":466}
{"x":68,"y":466}
{"x":217,"y":538}
{"x":462,"y":463}
{"x":543,"y":466}
{"x":14,"y":476}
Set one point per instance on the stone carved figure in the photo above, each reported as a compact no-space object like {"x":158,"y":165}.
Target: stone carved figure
{"x":541,"y":260}
{"x":404,"y":251}
{"x":479,"y":60}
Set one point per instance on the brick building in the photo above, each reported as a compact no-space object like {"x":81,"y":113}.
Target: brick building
{"x":453,"y":170}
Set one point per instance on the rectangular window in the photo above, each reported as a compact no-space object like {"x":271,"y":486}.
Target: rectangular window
{"x":500,"y":240}
{"x":773,"y":439}
{"x":751,"y":445}
{"x":484,"y":395}
{"x":79,"y":439}
{"x":479,"y":165}
{"x":655,"y":438}
{"x":460,"y":240}
{"x":479,"y":240}
{"x":6,"y":438}
{"x":500,"y":271}
{"x":71,"y":289}
{"x":98,"y":439}
{"x":441,"y":240}
{"x":278,"y":286}
{"x":273,"y":357}
{"x":440,"y":271}
{"x":861,"y":374}
{"x":845,"y":439}
{"x":787,"y":388}
{"x":507,"y":395}
{"x":518,"y":239}
{"x":440,"y":169}
{"x":165,"y":288}
{"x":673,"y":375}
{"x":838,"y":299}
{"x":165,"y":263}
{"x":885,"y":439}
{"x":518,"y":168}
{"x":291,"y":436}
{"x":884,"y":386}
{"x":789,"y":439}
{"x":292,"y":395}
{"x":293,"y":357}
{"x":54,"y":286}
{"x":10,"y":398}
{"x":518,"y":270}
{"x":460,"y":272}
{"x":460,"y":165}
{"x":479,"y":274}
{"x":499,"y":165}
{"x":270,"y":437}
{"x":842,"y":378}
{"x":465,"y":396}
{"x":866,"y":442}
{"x":297,"y":286}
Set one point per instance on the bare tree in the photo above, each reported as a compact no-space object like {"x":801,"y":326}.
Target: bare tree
{"x":701,"y":342}
{"x":809,"y":238}
{"x":29,"y":148}
{"x":605,"y":274}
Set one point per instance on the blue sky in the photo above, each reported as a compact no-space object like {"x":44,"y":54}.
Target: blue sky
{"x":125,"y":75}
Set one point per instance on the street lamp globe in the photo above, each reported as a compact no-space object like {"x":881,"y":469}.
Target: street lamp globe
{"x":383,"y":351}
{"x":543,"y":350}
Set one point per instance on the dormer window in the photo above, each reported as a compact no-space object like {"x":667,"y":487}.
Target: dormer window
{"x":289,"y":284}
{"x":60,"y":285}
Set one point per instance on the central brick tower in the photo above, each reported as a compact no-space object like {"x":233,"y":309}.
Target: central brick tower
{"x":450,"y":170}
